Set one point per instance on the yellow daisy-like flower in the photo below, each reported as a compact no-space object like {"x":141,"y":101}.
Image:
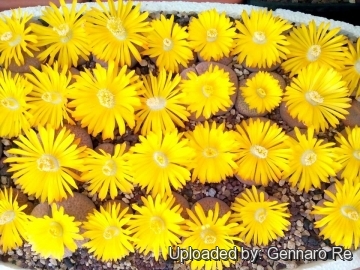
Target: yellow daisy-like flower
{"x":351,"y":71}
{"x":160,"y":161}
{"x":13,"y":221}
{"x":318,"y":97}
{"x":162,"y":104}
{"x":211,"y":35}
{"x":14,"y":104}
{"x":45,"y":163}
{"x":348,"y":154}
{"x":263,"y":154}
{"x":105,"y":98}
{"x":157,"y":225}
{"x":122,"y":26}
{"x":51,"y":88}
{"x":16,"y":38}
{"x":108,"y":173}
{"x":208,"y":93}
{"x":261,"y":41}
{"x":263,"y":220}
{"x":311,"y":44}
{"x":311,"y":161}
{"x":262,"y":92}
{"x":168,"y":43}
{"x":340,"y":216}
{"x":49,"y":236}
{"x":65,"y":37}
{"x":109,"y":237}
{"x":215,"y":152}
{"x":208,"y":231}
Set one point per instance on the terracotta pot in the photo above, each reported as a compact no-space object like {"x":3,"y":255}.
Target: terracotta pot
{"x":13,"y":4}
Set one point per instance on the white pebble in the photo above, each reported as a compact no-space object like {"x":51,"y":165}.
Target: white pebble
{"x":125,"y":200}
{"x":6,"y":142}
{"x":212,"y":192}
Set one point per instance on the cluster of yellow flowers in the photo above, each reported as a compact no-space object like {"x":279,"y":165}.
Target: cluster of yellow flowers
{"x":324,"y":67}
{"x":156,"y":226}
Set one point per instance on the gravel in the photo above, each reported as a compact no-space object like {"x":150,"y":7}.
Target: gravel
{"x":301,"y":234}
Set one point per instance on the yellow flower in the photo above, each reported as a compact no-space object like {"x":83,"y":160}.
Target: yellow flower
{"x":208,"y":93}
{"x":348,"y":154}
{"x":49,"y":96}
{"x":263,"y":155}
{"x":215,"y":152}
{"x":263,"y":220}
{"x":65,"y":37}
{"x":13,"y":221}
{"x":16,"y":38}
{"x":318,"y":97}
{"x":212,"y":35}
{"x":156,"y":225}
{"x":260,"y":41}
{"x":43,"y":167}
{"x":162,"y":104}
{"x":351,"y":71}
{"x":262,"y":92}
{"x":311,"y":44}
{"x":208,"y":231}
{"x":109,"y":237}
{"x":107,"y":173}
{"x":311,"y":161}
{"x":14,"y":106}
{"x":168,"y":43}
{"x":105,"y":98}
{"x":160,"y":161}
{"x":340,"y":220}
{"x":49,"y":236}
{"x":121,"y":26}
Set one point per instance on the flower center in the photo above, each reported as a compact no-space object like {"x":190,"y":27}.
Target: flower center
{"x":356,"y":154}
{"x":157,"y":225}
{"x":350,"y":212}
{"x":106,"y":98}
{"x":6,"y":36}
{"x":15,"y":41}
{"x":314,"y":98}
{"x":10,"y":103}
{"x":207,"y":90}
{"x":156,"y":103}
{"x":357,"y":66}
{"x":161,"y":159}
{"x":52,"y":97}
{"x":260,"y":215}
{"x":261,"y":92}
{"x":259,"y":151}
{"x":210,"y":152}
{"x":259,"y":37}
{"x":211,"y":35}
{"x":109,"y":168}
{"x":167,"y":44}
{"x":116,"y":28}
{"x":308,"y":158}
{"x":313,"y":53}
{"x":110,"y":232}
{"x":208,"y":235}
{"x":63,"y":30}
{"x":7,"y":217}
{"x":48,"y":163}
{"x":55,"y":229}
